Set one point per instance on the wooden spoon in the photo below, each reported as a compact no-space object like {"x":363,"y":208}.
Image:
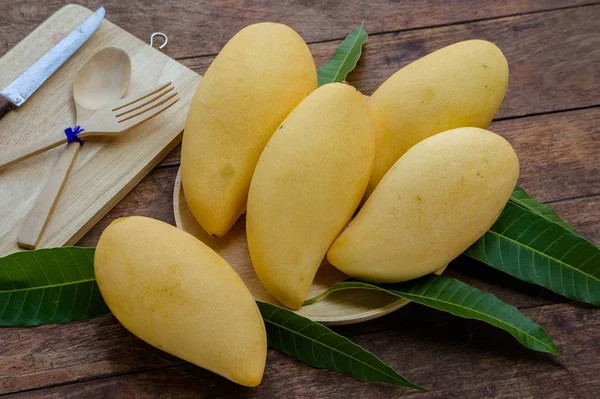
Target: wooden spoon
{"x":100,"y":81}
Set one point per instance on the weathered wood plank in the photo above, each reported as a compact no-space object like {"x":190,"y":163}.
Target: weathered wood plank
{"x":584,"y":214}
{"x":558,"y":153}
{"x":455,"y":358}
{"x":54,"y":354}
{"x":553,"y":57}
{"x":202,"y":27}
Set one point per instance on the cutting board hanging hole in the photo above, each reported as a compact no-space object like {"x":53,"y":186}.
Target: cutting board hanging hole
{"x":165,"y":38}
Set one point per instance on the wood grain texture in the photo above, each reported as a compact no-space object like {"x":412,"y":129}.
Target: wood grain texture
{"x":453,"y":357}
{"x":552,"y":56}
{"x":202,"y":27}
{"x":105,"y":169}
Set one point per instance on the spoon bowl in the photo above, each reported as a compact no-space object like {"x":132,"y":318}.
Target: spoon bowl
{"x":100,"y":81}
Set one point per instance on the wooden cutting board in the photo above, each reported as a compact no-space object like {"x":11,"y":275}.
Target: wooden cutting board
{"x":105,"y":169}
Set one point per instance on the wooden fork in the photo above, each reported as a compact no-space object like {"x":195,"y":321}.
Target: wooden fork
{"x":108,"y":121}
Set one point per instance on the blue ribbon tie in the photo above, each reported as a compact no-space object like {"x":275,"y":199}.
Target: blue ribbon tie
{"x":72,"y":134}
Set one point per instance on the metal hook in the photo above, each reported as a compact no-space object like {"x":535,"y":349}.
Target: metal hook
{"x":161,"y":35}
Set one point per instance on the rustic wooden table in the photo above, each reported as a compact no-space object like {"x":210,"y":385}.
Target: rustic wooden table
{"x":551,"y":115}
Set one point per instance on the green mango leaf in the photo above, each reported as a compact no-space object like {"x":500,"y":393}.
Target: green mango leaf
{"x":49,"y":286}
{"x":453,"y":296}
{"x":532,"y":248}
{"x":345,"y":58}
{"x":521,"y":198}
{"x":318,"y":346}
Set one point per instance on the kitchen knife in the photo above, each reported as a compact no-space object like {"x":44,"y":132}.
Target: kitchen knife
{"x":16,"y":93}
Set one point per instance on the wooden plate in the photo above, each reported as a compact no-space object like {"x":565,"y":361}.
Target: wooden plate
{"x":342,"y":307}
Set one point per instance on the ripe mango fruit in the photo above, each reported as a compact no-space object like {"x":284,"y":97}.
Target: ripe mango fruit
{"x":306,"y":186}
{"x":440,"y":197}
{"x":457,"y":86}
{"x":177,"y":294}
{"x":260,"y":75}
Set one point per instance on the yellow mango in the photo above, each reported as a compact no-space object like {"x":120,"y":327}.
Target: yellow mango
{"x":308,"y":182}
{"x":440,"y":197}
{"x":177,"y":294}
{"x":457,"y":86}
{"x":260,"y":75}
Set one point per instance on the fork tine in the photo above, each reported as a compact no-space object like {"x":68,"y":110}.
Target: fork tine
{"x":128,"y":101}
{"x":146,"y":108}
{"x":149,"y":113}
{"x":145,"y":102}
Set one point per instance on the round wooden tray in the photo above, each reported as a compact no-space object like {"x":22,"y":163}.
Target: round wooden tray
{"x":342,"y":307}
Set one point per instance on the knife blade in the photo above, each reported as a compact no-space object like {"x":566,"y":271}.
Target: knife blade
{"x":16,"y":93}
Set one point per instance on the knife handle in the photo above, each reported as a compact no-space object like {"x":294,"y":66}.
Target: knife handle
{"x":5,"y":106}
{"x":13,"y":156}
